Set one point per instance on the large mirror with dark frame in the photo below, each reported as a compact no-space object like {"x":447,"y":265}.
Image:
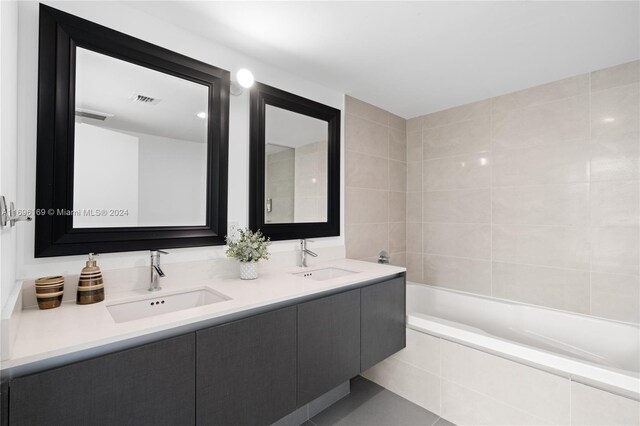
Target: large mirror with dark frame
{"x":295,"y":165}
{"x":132,"y":143}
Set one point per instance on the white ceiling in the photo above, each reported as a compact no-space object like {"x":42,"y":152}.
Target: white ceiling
{"x":290,"y":129}
{"x":412,"y":58}
{"x":106,"y":85}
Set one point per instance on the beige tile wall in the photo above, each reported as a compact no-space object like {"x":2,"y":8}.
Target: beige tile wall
{"x":280,"y":185}
{"x":470,"y":387}
{"x":532,"y":196}
{"x":376,"y":182}
{"x":310,"y":194}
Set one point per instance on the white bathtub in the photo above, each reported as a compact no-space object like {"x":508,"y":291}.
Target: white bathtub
{"x":594,"y":351}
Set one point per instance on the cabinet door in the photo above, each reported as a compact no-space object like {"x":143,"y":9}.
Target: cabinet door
{"x":4,"y":404}
{"x":328,"y":343}
{"x":383,"y":321}
{"x":148,"y":385}
{"x":246,"y":370}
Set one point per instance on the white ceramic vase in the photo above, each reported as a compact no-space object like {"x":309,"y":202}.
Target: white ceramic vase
{"x":248,"y":270}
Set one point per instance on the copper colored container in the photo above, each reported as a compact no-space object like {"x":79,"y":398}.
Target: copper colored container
{"x":90,"y":284}
{"x":49,"y":291}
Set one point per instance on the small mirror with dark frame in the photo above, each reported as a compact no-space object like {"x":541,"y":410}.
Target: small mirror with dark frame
{"x":132,"y":143}
{"x":295,"y":165}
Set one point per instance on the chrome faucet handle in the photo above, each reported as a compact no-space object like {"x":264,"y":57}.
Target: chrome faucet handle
{"x":158,"y":251}
{"x":304,"y":249}
{"x":310,"y":253}
{"x":158,"y":270}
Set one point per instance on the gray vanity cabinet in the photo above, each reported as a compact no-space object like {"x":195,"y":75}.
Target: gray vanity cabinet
{"x":252,"y":371}
{"x":328,"y":343}
{"x":4,"y":404}
{"x":246,"y":370}
{"x":383,"y":331}
{"x":152,"y":384}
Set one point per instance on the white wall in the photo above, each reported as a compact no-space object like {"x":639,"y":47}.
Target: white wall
{"x":8,"y":138}
{"x":158,"y":181}
{"x":172,"y":182}
{"x":105,"y":177}
{"x":135,"y":23}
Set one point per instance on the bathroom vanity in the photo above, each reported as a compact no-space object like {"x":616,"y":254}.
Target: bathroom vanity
{"x":197,"y":350}
{"x":252,"y":362}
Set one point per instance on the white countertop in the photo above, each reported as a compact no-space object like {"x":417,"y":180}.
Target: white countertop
{"x":45,"y":334}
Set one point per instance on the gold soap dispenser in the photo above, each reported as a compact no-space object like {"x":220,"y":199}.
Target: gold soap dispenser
{"x":90,"y":283}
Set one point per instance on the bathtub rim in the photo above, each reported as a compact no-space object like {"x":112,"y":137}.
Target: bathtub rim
{"x":609,"y":380}
{"x":529,"y":305}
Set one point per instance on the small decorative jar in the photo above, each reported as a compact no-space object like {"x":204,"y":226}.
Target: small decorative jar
{"x":49,"y":291}
{"x":90,"y":283}
{"x":248,"y":270}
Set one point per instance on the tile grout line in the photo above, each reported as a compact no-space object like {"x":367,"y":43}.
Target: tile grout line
{"x":369,"y":154}
{"x":440,"y":373}
{"x":418,"y":367}
{"x":464,"y":154}
{"x":570,"y":379}
{"x":517,"y":263}
{"x":421,"y":183}
{"x":423,"y":164}
{"x":589,"y":233}
{"x":374,"y":121}
{"x":533,"y":105}
{"x":526,"y":185}
{"x":504,"y":150}
{"x":453,"y":123}
{"x":388,"y":248}
{"x":499,"y":401}
{"x":491,"y":196}
{"x":406,"y":200}
{"x":542,"y":225}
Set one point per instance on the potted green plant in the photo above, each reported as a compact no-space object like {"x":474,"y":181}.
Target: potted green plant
{"x":249,"y":249}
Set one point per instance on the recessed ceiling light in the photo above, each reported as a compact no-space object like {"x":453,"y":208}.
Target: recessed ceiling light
{"x":608,"y":120}
{"x":202,"y":115}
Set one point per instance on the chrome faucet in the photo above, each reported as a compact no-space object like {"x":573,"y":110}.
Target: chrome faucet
{"x":156,"y":272}
{"x":302,"y":261}
{"x":384,"y":258}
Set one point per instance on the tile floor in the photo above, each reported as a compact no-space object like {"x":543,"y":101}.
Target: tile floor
{"x":369,"y":404}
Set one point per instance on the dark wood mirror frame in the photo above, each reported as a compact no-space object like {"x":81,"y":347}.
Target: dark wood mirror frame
{"x":261,"y":96}
{"x":60,"y":34}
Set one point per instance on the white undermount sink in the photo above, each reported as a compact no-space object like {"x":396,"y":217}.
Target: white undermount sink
{"x":163,"y":304}
{"x":324,"y":273}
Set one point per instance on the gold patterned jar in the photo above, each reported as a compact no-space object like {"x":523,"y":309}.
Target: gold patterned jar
{"x":49,"y":291}
{"x":90,"y":284}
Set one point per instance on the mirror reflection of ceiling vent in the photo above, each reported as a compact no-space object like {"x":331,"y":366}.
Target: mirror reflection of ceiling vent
{"x":94,"y":115}
{"x":143,"y":99}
